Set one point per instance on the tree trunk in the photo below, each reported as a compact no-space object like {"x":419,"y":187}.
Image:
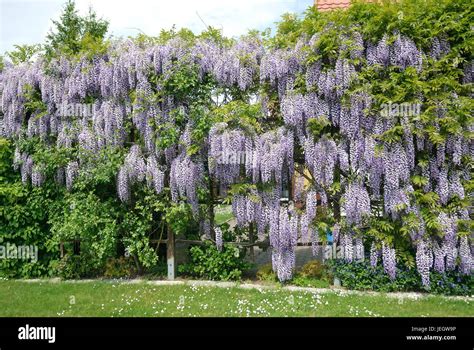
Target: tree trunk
{"x":210,"y":208}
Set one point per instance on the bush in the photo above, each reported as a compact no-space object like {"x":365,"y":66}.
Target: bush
{"x":313,"y":274}
{"x":302,"y":281}
{"x":74,"y":267}
{"x":121,"y":267}
{"x":24,"y":215}
{"x":93,"y":222}
{"x":313,"y":269}
{"x":209,"y":263}
{"x":362,"y":276}
{"x":157,"y":271}
{"x":265,"y":273}
{"x":451,"y":283}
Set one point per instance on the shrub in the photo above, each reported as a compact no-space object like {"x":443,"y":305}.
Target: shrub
{"x":209,"y":263}
{"x":451,"y":283}
{"x":313,"y":274}
{"x":24,"y":213}
{"x":362,"y":276}
{"x":157,"y":271}
{"x":74,"y":267}
{"x":92,"y":222}
{"x":302,"y":281}
{"x":313,"y":269}
{"x":265,"y":273}
{"x":120,"y":267}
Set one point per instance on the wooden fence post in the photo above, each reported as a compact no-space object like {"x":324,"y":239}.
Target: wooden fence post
{"x":252,"y":241}
{"x":170,"y":253}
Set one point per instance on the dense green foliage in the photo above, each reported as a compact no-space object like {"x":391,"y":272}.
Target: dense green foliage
{"x":48,"y":215}
{"x":265,"y":273}
{"x":24,"y":219}
{"x":120,"y":268}
{"x":209,"y":263}
{"x":421,"y":21}
{"x":73,"y":34}
{"x":312,"y":274}
{"x":22,"y":54}
{"x":362,"y":276}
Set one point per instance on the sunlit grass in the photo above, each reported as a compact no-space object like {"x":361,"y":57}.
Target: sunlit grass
{"x":101,"y":298}
{"x":223,"y":214}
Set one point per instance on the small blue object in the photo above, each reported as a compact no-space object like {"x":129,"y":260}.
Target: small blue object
{"x":329,"y":236}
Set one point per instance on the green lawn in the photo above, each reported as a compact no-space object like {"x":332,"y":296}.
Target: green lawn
{"x":223,"y":213}
{"x":102,"y":298}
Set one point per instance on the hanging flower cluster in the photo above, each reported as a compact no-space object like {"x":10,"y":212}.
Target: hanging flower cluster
{"x":283,"y":239}
{"x":219,"y":241}
{"x":273,"y":157}
{"x":356,"y":203}
{"x":137,"y":169}
{"x":185,"y":176}
{"x":424,"y":261}
{"x":227,"y":153}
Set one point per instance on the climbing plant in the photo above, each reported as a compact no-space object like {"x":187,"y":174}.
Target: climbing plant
{"x":361,"y":118}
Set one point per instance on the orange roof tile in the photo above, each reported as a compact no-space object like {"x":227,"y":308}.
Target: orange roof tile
{"x":326,"y":5}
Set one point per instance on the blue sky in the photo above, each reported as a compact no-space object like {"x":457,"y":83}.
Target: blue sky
{"x":28,"y":21}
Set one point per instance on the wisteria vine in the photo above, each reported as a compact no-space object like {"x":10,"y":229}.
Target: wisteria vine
{"x":373,"y":174}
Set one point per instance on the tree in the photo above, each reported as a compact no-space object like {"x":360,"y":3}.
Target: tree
{"x":23,"y":53}
{"x":73,"y":34}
